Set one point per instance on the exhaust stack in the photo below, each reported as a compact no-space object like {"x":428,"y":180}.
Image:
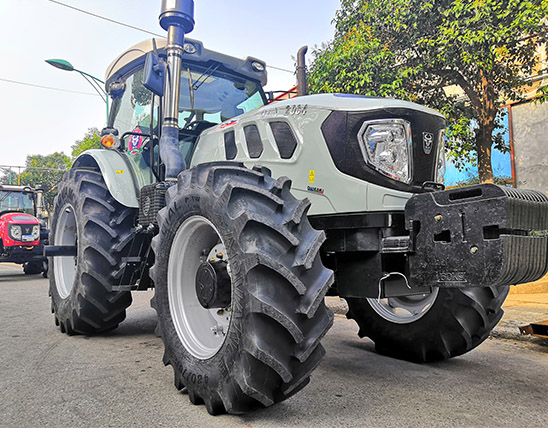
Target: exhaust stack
{"x":177,"y":18}
{"x":302,"y":84}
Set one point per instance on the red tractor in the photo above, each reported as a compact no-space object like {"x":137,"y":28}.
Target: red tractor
{"x":23,"y":232}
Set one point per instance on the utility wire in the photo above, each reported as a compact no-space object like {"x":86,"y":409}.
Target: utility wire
{"x":47,"y":87}
{"x":107,"y":19}
{"x":137,"y":28}
{"x":281,"y":69}
{"x":43,"y":168}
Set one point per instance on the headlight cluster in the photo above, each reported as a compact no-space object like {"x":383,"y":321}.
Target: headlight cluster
{"x":386,"y":146}
{"x":15,"y":232}
{"x":440,"y":160}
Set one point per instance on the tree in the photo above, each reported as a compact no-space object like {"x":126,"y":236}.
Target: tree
{"x":47,"y":171}
{"x":92,"y":140}
{"x":416,"y":49}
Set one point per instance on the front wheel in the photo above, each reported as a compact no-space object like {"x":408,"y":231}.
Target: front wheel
{"x":239,"y":288}
{"x":430,"y":327}
{"x":33,"y":268}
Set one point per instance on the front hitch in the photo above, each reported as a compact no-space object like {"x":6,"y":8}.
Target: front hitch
{"x":478,"y":236}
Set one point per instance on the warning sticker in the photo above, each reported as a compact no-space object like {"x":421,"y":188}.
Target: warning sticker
{"x":311,"y":176}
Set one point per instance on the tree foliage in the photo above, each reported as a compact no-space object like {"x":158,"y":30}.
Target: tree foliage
{"x":416,"y":49}
{"x":92,"y":140}
{"x":46,"y":171}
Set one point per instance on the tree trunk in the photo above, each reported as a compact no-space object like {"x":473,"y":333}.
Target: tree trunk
{"x":484,"y":134}
{"x":484,"y":141}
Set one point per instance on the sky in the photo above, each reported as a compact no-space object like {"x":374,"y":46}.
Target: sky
{"x":43,"y":121}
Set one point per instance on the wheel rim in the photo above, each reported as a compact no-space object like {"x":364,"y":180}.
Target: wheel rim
{"x":202,"y":331}
{"x":404,"y":310}
{"x":66,"y":233}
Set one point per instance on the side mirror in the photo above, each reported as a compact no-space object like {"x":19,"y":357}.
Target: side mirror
{"x":154,"y":74}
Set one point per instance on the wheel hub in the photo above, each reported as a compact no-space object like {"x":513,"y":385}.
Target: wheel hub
{"x":406,"y":309}
{"x":199,"y":287}
{"x":213,"y":287}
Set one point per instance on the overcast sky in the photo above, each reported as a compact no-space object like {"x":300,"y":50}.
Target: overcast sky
{"x":43,"y":121}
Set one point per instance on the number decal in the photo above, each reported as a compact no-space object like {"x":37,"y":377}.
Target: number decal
{"x":296,"y":110}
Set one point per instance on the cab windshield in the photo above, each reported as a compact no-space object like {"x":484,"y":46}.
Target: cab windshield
{"x":212,"y":95}
{"x":16,"y":201}
{"x":206,"y":94}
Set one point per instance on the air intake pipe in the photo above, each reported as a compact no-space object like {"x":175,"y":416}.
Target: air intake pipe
{"x":177,"y":18}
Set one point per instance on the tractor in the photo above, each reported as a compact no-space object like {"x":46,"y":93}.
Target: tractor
{"x":243,"y":215}
{"x":23,"y":231}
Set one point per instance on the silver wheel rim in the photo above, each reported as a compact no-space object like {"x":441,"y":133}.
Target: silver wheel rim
{"x":404,"y":310}
{"x":202,"y":331}
{"x":65,"y":266}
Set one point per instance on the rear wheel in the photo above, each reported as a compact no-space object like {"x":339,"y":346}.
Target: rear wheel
{"x":239,"y":288}
{"x":430,"y":327}
{"x":88,"y":217}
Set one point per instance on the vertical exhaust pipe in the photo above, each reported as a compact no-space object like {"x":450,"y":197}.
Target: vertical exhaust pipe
{"x":302,"y":84}
{"x":177,"y":18}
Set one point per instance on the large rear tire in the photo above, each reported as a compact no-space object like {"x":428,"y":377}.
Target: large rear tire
{"x":260,"y":346}
{"x":87,"y":216}
{"x":445,"y":324}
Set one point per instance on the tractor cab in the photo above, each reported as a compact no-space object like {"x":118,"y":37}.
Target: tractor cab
{"x":213,"y":88}
{"x":20,"y":199}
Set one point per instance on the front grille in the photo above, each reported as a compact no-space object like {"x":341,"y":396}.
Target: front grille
{"x":26,"y":229}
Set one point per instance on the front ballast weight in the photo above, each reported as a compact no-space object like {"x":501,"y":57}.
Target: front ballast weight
{"x":478,"y":236}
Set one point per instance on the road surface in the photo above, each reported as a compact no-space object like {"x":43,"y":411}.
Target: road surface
{"x":48,"y":379}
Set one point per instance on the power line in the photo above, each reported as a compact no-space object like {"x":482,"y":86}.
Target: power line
{"x":137,"y":28}
{"x":281,"y":69}
{"x":43,"y":168}
{"x":107,"y":19}
{"x":46,"y":87}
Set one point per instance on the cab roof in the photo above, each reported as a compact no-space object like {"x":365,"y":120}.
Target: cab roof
{"x":13,"y":188}
{"x":134,"y":56}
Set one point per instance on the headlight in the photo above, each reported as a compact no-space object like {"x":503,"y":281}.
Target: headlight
{"x":15,"y":232}
{"x":36,"y":231}
{"x":440,"y":161}
{"x":386,"y":146}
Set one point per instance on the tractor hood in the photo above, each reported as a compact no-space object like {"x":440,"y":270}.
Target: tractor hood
{"x":19,"y":218}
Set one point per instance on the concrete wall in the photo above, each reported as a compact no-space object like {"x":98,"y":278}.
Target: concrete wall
{"x":530,"y":135}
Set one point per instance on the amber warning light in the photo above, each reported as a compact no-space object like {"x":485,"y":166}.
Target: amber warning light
{"x":110,"y":141}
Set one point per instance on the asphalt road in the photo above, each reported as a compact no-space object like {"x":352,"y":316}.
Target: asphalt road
{"x":48,"y":379}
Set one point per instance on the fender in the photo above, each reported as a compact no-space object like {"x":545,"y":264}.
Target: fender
{"x":117,"y":173}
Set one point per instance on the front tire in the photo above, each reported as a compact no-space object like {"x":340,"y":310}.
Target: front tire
{"x":87,"y":216}
{"x":33,"y":268}
{"x":261,"y":345}
{"x":448,"y":323}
